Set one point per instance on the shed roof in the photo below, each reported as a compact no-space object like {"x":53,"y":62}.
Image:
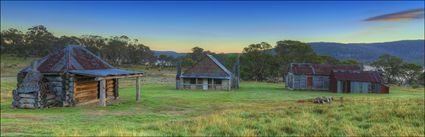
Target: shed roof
{"x":78,"y":60}
{"x":208,"y":67}
{"x":362,"y":76}
{"x":319,"y":69}
{"x":104,"y":72}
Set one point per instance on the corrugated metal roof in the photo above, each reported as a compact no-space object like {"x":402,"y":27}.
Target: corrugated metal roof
{"x":209,"y":67}
{"x":104,"y":72}
{"x":72,"y":57}
{"x":205,"y":77}
{"x":319,"y":69}
{"x":78,"y":60}
{"x":363,"y":76}
{"x":220,"y":65}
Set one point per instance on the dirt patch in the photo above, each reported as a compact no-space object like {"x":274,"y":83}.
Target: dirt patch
{"x":5,"y":131}
{"x":17,"y":125}
{"x":97,"y":113}
{"x":301,"y":101}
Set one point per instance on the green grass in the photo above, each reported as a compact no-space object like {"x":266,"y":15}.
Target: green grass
{"x":255,"y":109}
{"x":10,"y":64}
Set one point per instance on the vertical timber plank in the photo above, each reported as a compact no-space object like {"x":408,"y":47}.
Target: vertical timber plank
{"x":102,"y":95}
{"x":116,"y":87}
{"x":212,"y":82}
{"x":229,"y":87}
{"x":137,"y":88}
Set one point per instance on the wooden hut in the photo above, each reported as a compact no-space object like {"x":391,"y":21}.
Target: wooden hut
{"x":357,"y":82}
{"x":207,"y":74}
{"x":69,"y":77}
{"x":306,"y":76}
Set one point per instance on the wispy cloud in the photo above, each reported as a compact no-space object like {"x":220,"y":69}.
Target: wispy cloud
{"x":400,"y":16}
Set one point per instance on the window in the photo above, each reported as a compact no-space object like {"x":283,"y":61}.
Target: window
{"x":192,"y":81}
{"x":217,"y":81}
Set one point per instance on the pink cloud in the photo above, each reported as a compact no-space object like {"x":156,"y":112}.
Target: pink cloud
{"x":400,"y":16}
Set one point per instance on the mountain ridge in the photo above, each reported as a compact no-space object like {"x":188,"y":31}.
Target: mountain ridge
{"x":408,"y":50}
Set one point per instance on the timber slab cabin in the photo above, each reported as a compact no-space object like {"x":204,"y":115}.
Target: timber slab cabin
{"x":335,"y":78}
{"x":207,"y":74}
{"x":69,"y":77}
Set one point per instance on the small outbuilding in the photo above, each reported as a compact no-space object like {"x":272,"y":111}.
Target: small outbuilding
{"x":69,"y":77}
{"x":307,"y":76}
{"x":207,"y":74}
{"x":336,"y":78}
{"x":357,"y":82}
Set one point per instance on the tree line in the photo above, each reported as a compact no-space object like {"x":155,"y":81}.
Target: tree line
{"x":38,"y":41}
{"x":259,"y":62}
{"x":263,"y":62}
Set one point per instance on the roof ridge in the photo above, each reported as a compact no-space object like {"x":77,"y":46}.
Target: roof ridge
{"x":220,"y":65}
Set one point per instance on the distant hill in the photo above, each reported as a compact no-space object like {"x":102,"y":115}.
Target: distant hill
{"x":168,"y":53}
{"x":408,"y":50}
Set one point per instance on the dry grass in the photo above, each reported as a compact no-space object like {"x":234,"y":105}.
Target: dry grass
{"x":256,"y":109}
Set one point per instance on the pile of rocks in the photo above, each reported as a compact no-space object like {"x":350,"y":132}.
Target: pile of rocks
{"x":323,"y":99}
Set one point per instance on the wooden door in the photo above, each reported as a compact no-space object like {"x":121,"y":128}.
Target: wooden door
{"x":309,"y":82}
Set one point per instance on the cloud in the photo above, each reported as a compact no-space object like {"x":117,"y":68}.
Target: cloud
{"x":400,"y":16}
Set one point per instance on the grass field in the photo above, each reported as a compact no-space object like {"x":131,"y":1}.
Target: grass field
{"x":254,"y":109}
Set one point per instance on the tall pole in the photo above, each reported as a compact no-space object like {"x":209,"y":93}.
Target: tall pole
{"x":102,"y":95}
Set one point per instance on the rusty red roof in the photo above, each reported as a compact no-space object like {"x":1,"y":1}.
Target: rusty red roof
{"x":72,"y":57}
{"x":208,"y":67}
{"x":318,"y":69}
{"x":362,"y":76}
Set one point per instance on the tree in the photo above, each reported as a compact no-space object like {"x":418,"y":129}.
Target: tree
{"x":191,"y":58}
{"x":257,"y":62}
{"x":390,"y":66}
{"x":349,"y":62}
{"x":421,"y":79}
{"x":410,"y":73}
{"x":93,"y":43}
{"x":40,"y":40}
{"x":329,"y":60}
{"x":197,"y":53}
{"x":67,"y":40}
{"x":228,"y":60}
{"x":13,"y":41}
{"x":289,"y":51}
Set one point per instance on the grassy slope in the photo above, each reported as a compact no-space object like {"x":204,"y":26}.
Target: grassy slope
{"x":255,"y":109}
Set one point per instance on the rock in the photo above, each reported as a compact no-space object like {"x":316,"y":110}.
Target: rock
{"x":27,"y":101}
{"x":323,"y":99}
{"x":28,"y":96}
{"x":26,"y":106}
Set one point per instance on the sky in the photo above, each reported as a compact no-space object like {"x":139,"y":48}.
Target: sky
{"x":222,"y":26}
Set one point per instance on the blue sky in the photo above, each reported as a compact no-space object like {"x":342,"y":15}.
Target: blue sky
{"x":218,"y":26}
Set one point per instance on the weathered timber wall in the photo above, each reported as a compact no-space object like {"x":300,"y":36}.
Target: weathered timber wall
{"x":85,"y":90}
{"x":28,"y":91}
{"x":54,"y":96}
